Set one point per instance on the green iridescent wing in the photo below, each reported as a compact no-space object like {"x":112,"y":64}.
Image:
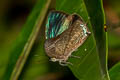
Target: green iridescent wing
{"x":56,"y":24}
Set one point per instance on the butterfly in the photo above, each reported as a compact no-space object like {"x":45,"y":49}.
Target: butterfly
{"x":64,"y":33}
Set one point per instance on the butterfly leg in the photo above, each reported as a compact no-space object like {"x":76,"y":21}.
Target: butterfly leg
{"x":74,"y":56}
{"x":63,"y":63}
{"x":86,"y":23}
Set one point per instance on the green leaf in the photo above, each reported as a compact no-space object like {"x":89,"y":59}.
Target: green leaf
{"x":115,"y":72}
{"x":93,"y":61}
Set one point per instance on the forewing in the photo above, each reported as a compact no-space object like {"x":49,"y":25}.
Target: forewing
{"x":55,"y":24}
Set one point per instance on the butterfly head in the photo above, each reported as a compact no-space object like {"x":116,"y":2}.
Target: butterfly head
{"x":53,"y":59}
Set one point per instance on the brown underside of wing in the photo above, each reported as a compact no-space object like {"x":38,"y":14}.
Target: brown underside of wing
{"x":63,"y":45}
{"x":77,"y":38}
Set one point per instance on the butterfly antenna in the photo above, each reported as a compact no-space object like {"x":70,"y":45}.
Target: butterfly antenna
{"x":87,"y":21}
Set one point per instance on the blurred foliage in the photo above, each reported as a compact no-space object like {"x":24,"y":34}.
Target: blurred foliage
{"x":113,"y":21}
{"x":12,"y":16}
{"x":115,"y":72}
{"x":112,"y":10}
